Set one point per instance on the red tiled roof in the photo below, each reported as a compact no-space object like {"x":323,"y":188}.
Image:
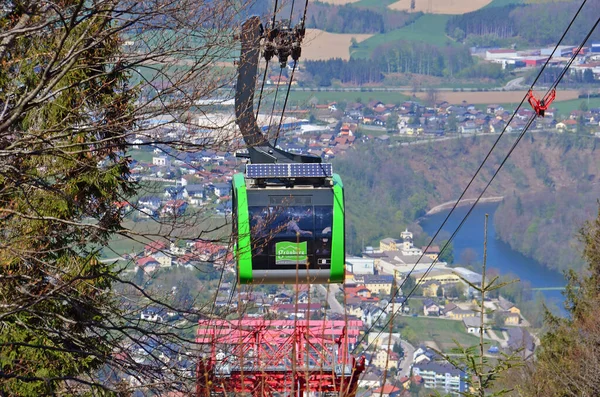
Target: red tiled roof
{"x":145,"y":261}
{"x":155,"y":246}
{"x":387,"y":389}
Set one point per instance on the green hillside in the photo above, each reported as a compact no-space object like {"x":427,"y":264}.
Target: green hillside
{"x":502,"y":3}
{"x":378,"y":4}
{"x":429,"y":29}
{"x":399,"y":184}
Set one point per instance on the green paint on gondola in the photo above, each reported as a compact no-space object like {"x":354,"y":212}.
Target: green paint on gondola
{"x":338,"y":244}
{"x":243,"y":251}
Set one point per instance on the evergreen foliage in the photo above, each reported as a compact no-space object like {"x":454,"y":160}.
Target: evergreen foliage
{"x":568,"y":359}
{"x":68,"y":325}
{"x":399,"y":184}
{"x":352,"y":19}
{"x":535,"y":24}
{"x":62,"y":117}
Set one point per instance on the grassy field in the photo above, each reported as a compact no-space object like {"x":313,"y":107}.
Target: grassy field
{"x":374,"y":3}
{"x":440,"y":6}
{"x":502,"y":3}
{"x":324,"y":45}
{"x":141,"y":155}
{"x":443,"y":332}
{"x":429,"y":29}
{"x":302,"y":97}
{"x":489,"y":97}
{"x":337,"y":2}
{"x":566,"y":107}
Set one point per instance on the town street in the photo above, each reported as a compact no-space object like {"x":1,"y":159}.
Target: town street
{"x":409,"y":350}
{"x":334,"y":305}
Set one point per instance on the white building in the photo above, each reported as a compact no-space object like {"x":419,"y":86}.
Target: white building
{"x":442,"y":376}
{"x":161,"y":161}
{"x":360,"y":265}
{"x":501,"y":53}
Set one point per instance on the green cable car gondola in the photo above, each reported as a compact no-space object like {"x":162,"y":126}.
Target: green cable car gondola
{"x":289,"y":230}
{"x":288,"y":209}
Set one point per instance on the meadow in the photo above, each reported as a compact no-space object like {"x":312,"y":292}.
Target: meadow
{"x":440,"y":6}
{"x":442,"y":331}
{"x":428,"y":29}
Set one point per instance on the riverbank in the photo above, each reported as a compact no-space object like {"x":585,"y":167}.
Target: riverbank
{"x":449,"y":204}
{"x":500,"y":256}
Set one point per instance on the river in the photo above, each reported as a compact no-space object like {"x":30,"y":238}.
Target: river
{"x":499,"y":255}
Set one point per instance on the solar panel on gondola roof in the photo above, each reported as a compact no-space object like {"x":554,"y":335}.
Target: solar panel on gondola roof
{"x":293,"y":170}
{"x":310,"y":170}
{"x":267,"y":170}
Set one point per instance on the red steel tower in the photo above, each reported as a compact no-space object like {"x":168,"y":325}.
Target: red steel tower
{"x":258,"y":357}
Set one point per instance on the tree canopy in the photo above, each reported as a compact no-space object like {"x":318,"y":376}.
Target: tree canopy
{"x":79,"y":79}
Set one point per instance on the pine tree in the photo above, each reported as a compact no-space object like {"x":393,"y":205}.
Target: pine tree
{"x":65,"y":111}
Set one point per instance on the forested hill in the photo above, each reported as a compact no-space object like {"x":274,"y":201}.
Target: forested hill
{"x":550,"y":185}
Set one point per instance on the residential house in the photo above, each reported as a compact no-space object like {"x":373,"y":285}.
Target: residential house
{"x":346,"y":131}
{"x":176,"y":250}
{"x":379,"y":284}
{"x":567,"y":125}
{"x":442,"y":376}
{"x":384,"y":356}
{"x":221,"y":189}
{"x":282,"y":297}
{"x":493,"y":108}
{"x":372,"y":313}
{"x":430,"y":308}
{"x":154,"y":247}
{"x":161,"y":161}
{"x":421,"y":358}
{"x":511,"y":318}
{"x":355,"y":309}
{"x":174,"y":192}
{"x":326,"y":138}
{"x":472,"y":325}
{"x":387,"y":390}
{"x":207,"y":250}
{"x":496,"y":126}
{"x":468,"y":127}
{"x":360,"y":265}
{"x":123,"y":206}
{"x":369,"y":381}
{"x":520,"y":339}
{"x":194,"y":193}
{"x":423,"y":354}
{"x":508,"y":306}
{"x":153,"y":314}
{"x":456,"y":313}
{"x":174,"y":208}
{"x":165,"y":259}
{"x":430,"y":288}
{"x":389,"y":244}
{"x":432,"y":251}
{"x":359,"y":290}
{"x":187,"y":260}
{"x":151,"y":202}
{"x":147,"y":264}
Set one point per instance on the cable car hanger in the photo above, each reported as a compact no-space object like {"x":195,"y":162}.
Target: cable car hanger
{"x":541,"y":106}
{"x":287,"y":209}
{"x":281,"y":40}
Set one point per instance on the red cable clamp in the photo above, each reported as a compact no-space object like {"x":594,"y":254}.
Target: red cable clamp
{"x":541,"y":106}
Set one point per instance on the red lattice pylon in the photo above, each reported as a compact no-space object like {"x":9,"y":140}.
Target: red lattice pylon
{"x":263,"y":357}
